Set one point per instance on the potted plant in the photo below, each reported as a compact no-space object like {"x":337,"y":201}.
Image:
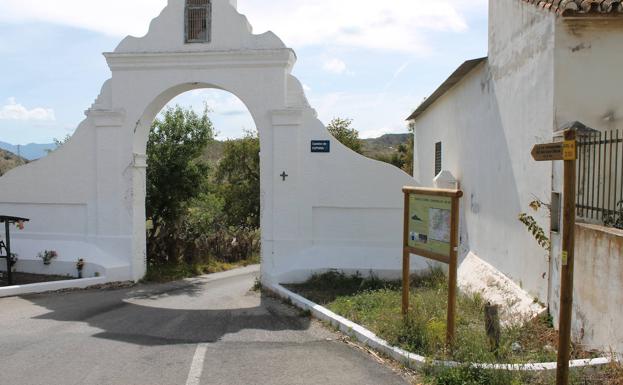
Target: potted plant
{"x":13,"y":261}
{"x":47,"y":256}
{"x":80,"y":266}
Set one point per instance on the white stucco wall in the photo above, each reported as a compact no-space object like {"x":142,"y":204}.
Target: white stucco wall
{"x":588,"y":59}
{"x":488,"y":124}
{"x":337,"y":210}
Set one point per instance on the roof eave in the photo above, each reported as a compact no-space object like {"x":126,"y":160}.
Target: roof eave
{"x":457,"y":76}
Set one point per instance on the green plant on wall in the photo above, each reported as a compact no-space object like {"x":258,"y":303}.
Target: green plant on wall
{"x":47,"y":256}
{"x":533,"y":226}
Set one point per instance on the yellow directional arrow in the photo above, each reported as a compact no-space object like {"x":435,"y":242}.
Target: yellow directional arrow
{"x":566,"y":150}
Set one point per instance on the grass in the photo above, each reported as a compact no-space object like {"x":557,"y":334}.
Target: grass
{"x":177,"y":271}
{"x":376,"y":304}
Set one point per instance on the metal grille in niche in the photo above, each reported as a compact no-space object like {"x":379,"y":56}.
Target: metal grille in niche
{"x":198,"y":21}
{"x":437,"y":158}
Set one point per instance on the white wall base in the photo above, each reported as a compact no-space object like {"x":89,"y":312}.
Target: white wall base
{"x":11,"y":291}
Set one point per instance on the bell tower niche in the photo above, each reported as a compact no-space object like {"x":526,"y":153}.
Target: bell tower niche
{"x":198,"y":21}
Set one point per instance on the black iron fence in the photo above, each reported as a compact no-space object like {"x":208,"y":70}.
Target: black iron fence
{"x":600,"y":176}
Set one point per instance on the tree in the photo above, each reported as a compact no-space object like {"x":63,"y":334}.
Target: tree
{"x":395,"y":159}
{"x":175,"y":175}
{"x":403,"y":157}
{"x":238,"y":177}
{"x":342,"y":131}
{"x":406,"y":151}
{"x":58,"y":143}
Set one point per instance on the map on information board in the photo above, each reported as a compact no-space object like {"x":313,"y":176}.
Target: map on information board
{"x":439,"y":225}
{"x":430,"y":220}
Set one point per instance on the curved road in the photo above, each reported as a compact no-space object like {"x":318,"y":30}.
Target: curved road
{"x":204,"y":331}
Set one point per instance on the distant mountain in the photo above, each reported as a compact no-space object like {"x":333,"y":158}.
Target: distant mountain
{"x":8,"y":160}
{"x":386,"y":145}
{"x":30,"y":151}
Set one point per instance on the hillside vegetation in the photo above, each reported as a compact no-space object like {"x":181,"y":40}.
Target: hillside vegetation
{"x":385,"y":146}
{"x":8,"y":161}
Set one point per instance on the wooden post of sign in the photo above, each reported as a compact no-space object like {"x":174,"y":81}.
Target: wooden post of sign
{"x":566,"y":151}
{"x":566,"y":284}
{"x":9,"y":272}
{"x":406,"y":256}
{"x":453,"y":273}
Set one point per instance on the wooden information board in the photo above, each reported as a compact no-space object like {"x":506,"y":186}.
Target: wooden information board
{"x":431,"y":230}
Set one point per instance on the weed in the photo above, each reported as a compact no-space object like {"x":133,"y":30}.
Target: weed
{"x":257,"y":285}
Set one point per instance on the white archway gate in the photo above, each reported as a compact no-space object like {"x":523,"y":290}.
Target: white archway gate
{"x":87,"y":200}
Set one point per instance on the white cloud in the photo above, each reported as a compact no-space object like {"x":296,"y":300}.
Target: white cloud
{"x":335,"y":66}
{"x":394,"y":25}
{"x":389,"y":25}
{"x":376,"y":133}
{"x":229,"y":114}
{"x":219,"y":102}
{"x":364,"y":109}
{"x":111,"y":17}
{"x":15,"y":111}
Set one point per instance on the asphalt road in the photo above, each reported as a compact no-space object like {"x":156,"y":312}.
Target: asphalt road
{"x":205,"y":331}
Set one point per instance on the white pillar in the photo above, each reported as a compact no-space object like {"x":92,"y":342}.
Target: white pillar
{"x":139,"y":238}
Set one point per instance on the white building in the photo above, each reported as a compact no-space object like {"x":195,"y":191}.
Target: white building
{"x":550,"y":63}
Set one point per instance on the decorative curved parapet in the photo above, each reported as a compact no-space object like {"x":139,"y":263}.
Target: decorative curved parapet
{"x":232,"y":32}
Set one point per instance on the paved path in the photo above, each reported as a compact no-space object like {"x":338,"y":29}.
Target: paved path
{"x":205,"y":331}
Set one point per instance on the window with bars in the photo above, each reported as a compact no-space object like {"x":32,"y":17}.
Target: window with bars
{"x":198,"y":21}
{"x":437,"y":158}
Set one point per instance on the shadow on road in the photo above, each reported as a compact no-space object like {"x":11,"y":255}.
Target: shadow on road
{"x":149,"y":315}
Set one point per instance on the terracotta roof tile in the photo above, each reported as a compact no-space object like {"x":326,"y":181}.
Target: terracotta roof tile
{"x":573,"y":8}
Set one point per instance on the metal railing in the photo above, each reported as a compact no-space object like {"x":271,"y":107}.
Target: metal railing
{"x":600,"y":175}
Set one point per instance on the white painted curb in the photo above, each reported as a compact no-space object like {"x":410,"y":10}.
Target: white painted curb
{"x":11,"y":291}
{"x":410,"y":360}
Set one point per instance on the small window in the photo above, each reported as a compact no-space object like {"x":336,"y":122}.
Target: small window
{"x":555,"y":209}
{"x":437,"y":158}
{"x":198,"y":21}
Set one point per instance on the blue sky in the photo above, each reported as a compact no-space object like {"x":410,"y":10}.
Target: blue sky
{"x":370,"y":61}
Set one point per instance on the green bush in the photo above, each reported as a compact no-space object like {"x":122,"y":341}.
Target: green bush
{"x":200,"y":212}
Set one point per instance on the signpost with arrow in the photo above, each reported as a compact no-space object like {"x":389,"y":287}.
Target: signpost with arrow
{"x":567,"y":152}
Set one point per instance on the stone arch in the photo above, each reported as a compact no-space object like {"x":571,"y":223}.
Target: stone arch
{"x":141,"y":134}
{"x":335,"y":210}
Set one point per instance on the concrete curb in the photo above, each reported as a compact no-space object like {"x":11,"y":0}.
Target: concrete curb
{"x":11,"y":291}
{"x":410,"y":360}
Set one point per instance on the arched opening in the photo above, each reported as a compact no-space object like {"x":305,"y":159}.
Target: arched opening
{"x":202,"y":199}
